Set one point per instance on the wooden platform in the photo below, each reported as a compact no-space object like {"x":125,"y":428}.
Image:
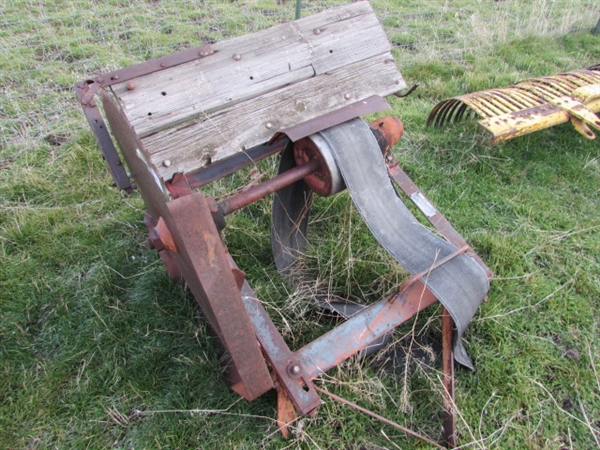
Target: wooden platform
{"x":246,"y":89}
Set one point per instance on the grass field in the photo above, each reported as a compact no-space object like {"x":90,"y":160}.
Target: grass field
{"x":99,"y":349}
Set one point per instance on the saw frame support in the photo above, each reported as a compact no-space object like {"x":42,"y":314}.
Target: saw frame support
{"x":330,"y":73}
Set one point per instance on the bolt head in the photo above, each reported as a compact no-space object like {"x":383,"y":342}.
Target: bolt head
{"x":166,"y":163}
{"x":269,"y":125}
{"x":347,"y":96}
{"x":130,"y":85}
{"x":317,"y":31}
{"x":237,"y":57}
{"x":295,"y":369}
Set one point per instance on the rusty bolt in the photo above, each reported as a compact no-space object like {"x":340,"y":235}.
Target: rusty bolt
{"x":237,"y":57}
{"x":294,"y":370}
{"x":317,"y":31}
{"x":347,"y":96}
{"x":162,"y":64}
{"x":130,"y":85}
{"x":166,"y":163}
{"x":161,"y":237}
{"x":269,"y":125}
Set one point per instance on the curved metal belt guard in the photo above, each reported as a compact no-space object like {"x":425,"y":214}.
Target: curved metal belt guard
{"x":459,"y":282}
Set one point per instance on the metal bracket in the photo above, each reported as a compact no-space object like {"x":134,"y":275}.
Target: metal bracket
{"x":107,"y":147}
{"x":153,"y":65}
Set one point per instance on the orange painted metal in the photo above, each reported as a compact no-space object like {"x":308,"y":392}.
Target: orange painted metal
{"x":448,"y":379}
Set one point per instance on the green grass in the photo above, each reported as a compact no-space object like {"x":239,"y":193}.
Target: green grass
{"x":99,"y":349}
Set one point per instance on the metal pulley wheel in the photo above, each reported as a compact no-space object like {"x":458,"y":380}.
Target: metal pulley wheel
{"x":328,"y":179}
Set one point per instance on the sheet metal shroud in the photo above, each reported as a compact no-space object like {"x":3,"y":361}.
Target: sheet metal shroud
{"x":460,"y":284}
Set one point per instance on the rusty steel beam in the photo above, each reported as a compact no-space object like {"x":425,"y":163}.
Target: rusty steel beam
{"x":107,"y":147}
{"x":369,"y":105}
{"x":362,"y":329}
{"x":153,"y":65}
{"x":282,"y":180}
{"x":284,"y":363}
{"x":448,"y":379}
{"x":227,"y":166}
{"x":203,"y":260}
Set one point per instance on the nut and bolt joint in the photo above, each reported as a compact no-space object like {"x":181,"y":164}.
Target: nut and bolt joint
{"x":294,"y":370}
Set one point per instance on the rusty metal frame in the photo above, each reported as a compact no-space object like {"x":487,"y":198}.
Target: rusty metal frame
{"x":184,"y":227}
{"x":86,"y":91}
{"x":107,"y":147}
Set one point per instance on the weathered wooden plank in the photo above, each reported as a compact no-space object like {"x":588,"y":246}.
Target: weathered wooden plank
{"x":345,"y":41}
{"x":254,"y":121}
{"x":249,"y":66}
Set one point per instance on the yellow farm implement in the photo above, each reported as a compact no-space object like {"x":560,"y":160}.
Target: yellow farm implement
{"x":530,"y":105}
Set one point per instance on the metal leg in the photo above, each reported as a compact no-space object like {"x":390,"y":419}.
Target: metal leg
{"x":448,"y":379}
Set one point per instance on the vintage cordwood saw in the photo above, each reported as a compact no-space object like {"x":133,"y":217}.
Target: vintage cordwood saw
{"x":297,"y":91}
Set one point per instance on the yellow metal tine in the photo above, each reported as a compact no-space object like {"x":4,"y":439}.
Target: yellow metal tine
{"x":579,"y":79}
{"x":475,"y":106}
{"x":546,"y":88}
{"x":433,"y":114}
{"x":543,"y":91}
{"x":526,"y":97}
{"x":452,"y":111}
{"x":498,"y":102}
{"x":436,"y":114}
{"x":444,"y":111}
{"x":463,"y":107}
{"x":565,"y":83}
{"x":572,"y":81}
{"x":586,"y":77}
{"x":484,"y":102}
{"x":510,"y":102}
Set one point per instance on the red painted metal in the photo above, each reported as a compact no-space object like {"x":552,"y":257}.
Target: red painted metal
{"x":388,"y":131}
{"x":362,"y":329}
{"x":107,"y":147}
{"x":185,"y":230}
{"x":167,"y":257}
{"x":295,"y":382}
{"x":320,"y":181}
{"x":227,"y":166}
{"x":204,"y":263}
{"x":254,"y":193}
{"x":448,"y":379}
{"x":152,"y":65}
{"x":369,"y":105}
